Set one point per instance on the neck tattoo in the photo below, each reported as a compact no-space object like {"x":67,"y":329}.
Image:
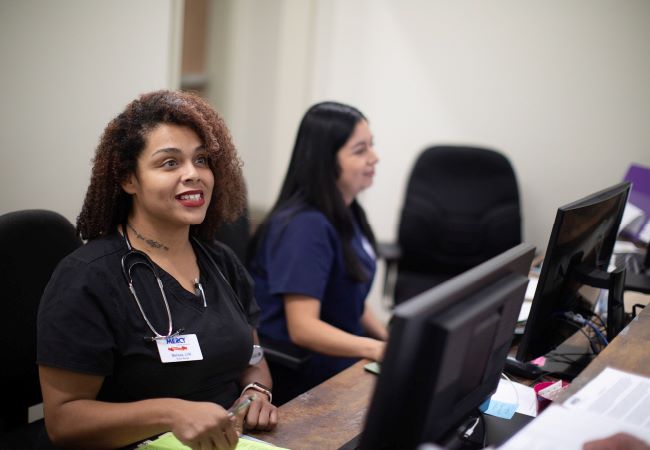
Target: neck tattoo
{"x":150,"y":242}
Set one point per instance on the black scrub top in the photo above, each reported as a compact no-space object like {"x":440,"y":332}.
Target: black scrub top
{"x":89,"y":322}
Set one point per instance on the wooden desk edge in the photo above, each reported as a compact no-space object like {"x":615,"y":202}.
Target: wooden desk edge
{"x":629,"y":351}
{"x":321,"y":418}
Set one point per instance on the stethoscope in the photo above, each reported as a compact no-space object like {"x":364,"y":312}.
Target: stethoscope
{"x":134,"y":257}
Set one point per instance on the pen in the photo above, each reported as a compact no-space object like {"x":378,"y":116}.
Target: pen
{"x":240,"y":406}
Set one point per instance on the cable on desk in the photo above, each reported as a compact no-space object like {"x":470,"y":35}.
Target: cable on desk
{"x":577,"y":318}
{"x":514,"y":388}
{"x":634,"y":307}
{"x":484,"y":429}
{"x":581,"y":329}
{"x":470,"y":430}
{"x":540,"y":378}
{"x":471,"y":426}
{"x":600,"y":320}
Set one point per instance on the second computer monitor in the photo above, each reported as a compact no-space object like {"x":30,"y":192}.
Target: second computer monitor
{"x":578,"y":253}
{"x":445,"y":353}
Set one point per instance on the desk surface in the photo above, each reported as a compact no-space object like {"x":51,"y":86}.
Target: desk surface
{"x":327,"y":416}
{"x":333,"y":413}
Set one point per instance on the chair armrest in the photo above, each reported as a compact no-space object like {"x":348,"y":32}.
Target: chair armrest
{"x":390,"y":251}
{"x":284,"y":353}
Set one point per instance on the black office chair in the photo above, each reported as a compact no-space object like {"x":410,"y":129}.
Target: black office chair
{"x":32,"y":242}
{"x":236,"y":235}
{"x":461,"y":208}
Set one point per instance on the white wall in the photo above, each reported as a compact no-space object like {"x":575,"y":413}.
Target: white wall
{"x":66,"y":68}
{"x":560,"y":87}
{"x":260,"y":69}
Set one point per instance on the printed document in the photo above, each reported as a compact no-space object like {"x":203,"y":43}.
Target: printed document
{"x":614,"y":401}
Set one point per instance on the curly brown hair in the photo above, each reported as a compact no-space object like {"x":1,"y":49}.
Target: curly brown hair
{"x":106,"y":205}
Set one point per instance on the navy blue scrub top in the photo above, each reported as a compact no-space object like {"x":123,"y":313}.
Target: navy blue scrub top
{"x":302,"y":254}
{"x":88,"y":322}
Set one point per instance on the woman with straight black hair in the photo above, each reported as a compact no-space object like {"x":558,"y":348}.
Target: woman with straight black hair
{"x":313,"y":258}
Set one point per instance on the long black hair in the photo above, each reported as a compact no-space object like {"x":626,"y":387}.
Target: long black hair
{"x":311,"y":179}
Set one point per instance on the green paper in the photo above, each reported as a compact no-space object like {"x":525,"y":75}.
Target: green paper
{"x":168,"y":441}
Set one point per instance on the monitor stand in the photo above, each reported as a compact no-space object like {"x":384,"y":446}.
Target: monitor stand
{"x":614,"y":282}
{"x":568,"y":360}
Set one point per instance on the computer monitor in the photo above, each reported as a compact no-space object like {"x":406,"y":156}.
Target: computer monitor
{"x":445,"y":352}
{"x":578,"y":254}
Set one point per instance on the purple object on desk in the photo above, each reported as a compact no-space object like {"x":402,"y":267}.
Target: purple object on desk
{"x":640,"y":193}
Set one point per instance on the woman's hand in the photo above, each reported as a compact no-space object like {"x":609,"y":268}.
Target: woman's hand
{"x":261,"y":414}
{"x":375,"y":350}
{"x":204,"y":425}
{"x":619,"y":441}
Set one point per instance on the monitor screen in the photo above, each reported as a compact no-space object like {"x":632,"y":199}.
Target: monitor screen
{"x":580,"y":247}
{"x":445,"y":353}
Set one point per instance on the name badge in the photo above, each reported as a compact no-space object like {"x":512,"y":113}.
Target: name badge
{"x":184,"y":347}
{"x":367,"y":247}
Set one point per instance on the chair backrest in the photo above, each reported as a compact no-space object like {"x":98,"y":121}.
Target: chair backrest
{"x":236,"y":235}
{"x":461,"y":208}
{"x":32,"y":242}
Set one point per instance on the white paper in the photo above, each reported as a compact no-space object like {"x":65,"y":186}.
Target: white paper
{"x":560,"y":428}
{"x":524,"y":312}
{"x":633,"y":218}
{"x":644,"y":235}
{"x":614,"y":401}
{"x":531,"y":288}
{"x":528,"y":300}
{"x":617,"y":395}
{"x":521,"y":395}
{"x":625,"y":247}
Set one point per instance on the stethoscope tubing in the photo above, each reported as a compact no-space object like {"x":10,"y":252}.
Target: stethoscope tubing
{"x":126,"y":270}
{"x":151,"y":266}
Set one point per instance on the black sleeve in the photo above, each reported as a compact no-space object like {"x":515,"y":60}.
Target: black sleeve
{"x":74,"y":328}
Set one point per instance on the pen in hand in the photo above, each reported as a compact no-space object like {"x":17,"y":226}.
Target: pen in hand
{"x":235,"y":409}
{"x":238,"y":419}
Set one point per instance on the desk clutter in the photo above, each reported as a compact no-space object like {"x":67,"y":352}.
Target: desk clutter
{"x":615,"y":401}
{"x":547,"y":392}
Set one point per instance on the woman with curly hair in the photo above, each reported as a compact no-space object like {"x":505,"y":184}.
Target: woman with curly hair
{"x":150,"y":326}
